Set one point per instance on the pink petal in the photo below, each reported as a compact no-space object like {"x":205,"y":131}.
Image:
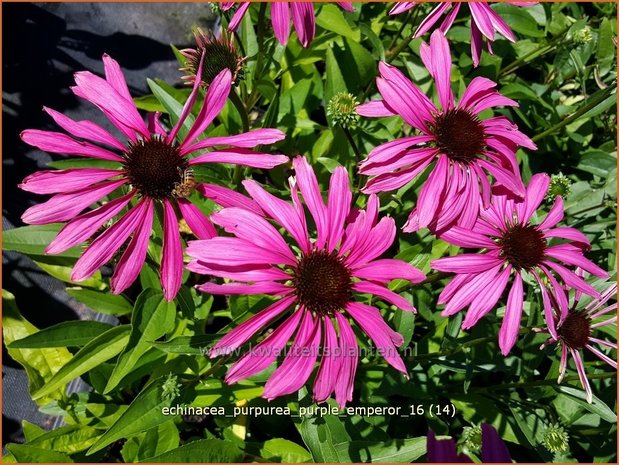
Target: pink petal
{"x":246,"y":330}
{"x":466,"y":263}
{"x":482,"y":19}
{"x":366,"y":287}
{"x":476,"y":44}
{"x":228,"y":198}
{"x":570,"y":234}
{"x":510,"y":180}
{"x":133,"y":257}
{"x":348,"y":365}
{"x":477,"y":89}
{"x":304,"y":21}
{"x":393,"y":155}
{"x":105,"y":246}
{"x":114,"y":75}
{"x":82,"y":227}
{"x":280,"y":18}
{"x":372,"y":244}
{"x":392,"y":181}
{"x":431,"y":19}
{"x":338,"y":208}
{"x":265,"y":287}
{"x":250,"y":273}
{"x":327,"y":376}
{"x":197,"y":221}
{"x":467,"y":238}
{"x":430,"y":195}
{"x":500,"y":25}
{"x":85,"y":130}
{"x":602,"y":357}
{"x":216,"y":97}
{"x":375,"y":109}
{"x":470,"y":291}
{"x":388,"y":269}
{"x":172,"y":254}
{"x":513,"y":314}
{"x":536,"y":190}
{"x":487,"y":300}
{"x":554,"y":215}
{"x":101,"y":93}
{"x":299,"y":362}
{"x":191,"y":100}
{"x":385,"y":339}
{"x":571,"y":257}
{"x":154,"y":125}
{"x":582,"y":374}
{"x":438,"y":62}
{"x":282,"y":212}
{"x":231,"y":251}
{"x":255,"y":229}
{"x":57,"y":142}
{"x":308,"y":185}
{"x":265,"y":353}
{"x":246,"y":140}
{"x":243,"y":157}
{"x":238,"y":16}
{"x":401,"y":7}
{"x":66,"y":181}
{"x":63,"y":207}
{"x":346,"y":6}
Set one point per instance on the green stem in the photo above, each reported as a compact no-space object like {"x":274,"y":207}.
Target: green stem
{"x":513,"y":66}
{"x":594,"y":101}
{"x":240,"y":107}
{"x":352,"y":143}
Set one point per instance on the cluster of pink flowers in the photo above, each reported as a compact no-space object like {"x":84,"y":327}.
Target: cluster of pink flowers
{"x":321,"y":275}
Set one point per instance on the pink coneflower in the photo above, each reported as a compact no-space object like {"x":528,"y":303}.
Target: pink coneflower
{"x":302,"y":13}
{"x":513,"y":245}
{"x":574,"y":332}
{"x":316,"y":284}
{"x":216,"y":53}
{"x":484,"y":22}
{"x":154,"y":164}
{"x":461,"y":147}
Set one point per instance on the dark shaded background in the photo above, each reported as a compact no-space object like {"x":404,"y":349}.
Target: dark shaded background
{"x":43,"y":44}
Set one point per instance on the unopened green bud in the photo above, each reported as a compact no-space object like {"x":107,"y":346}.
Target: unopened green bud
{"x":583,"y":36}
{"x":170,"y":389}
{"x":560,"y":185}
{"x":471,"y":438}
{"x":556,"y":439}
{"x":342,"y":109}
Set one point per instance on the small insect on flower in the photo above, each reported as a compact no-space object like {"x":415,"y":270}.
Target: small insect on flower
{"x":187,"y":185}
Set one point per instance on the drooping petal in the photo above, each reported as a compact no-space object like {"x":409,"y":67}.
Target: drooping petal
{"x":133,"y":257}
{"x":197,"y":221}
{"x":327,"y":376}
{"x":299,"y":362}
{"x":385,"y":339}
{"x":82,"y":227}
{"x":554,"y":215}
{"x":280,"y":18}
{"x":63,"y":207}
{"x":443,"y":451}
{"x":338,"y":206}
{"x":571,"y":234}
{"x":265,"y":353}
{"x":482,"y":19}
{"x":172,"y":254}
{"x":228,"y":197}
{"x":568,"y":255}
{"x":469,"y":291}
{"x":431,"y":19}
{"x":513,"y":314}
{"x":348,"y":367}
{"x":487,"y":299}
{"x":466,"y":263}
{"x":105,"y":246}
{"x":232,"y":251}
{"x":304,"y":21}
{"x":245,"y":331}
{"x":66,"y":181}
{"x":373,"y":244}
{"x":462,"y":237}
{"x":238,"y":16}
{"x":366,"y":287}
{"x":401,"y":7}
{"x":493,"y":449}
{"x":582,"y":374}
{"x":432,"y":191}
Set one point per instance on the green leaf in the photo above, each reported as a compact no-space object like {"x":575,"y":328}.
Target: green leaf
{"x":334,"y":81}
{"x":189,"y":345}
{"x":144,"y":413}
{"x":172,"y":104}
{"x":332,"y":19}
{"x":149,"y":103}
{"x":322,"y":436}
{"x":63,"y":273}
{"x":284,"y":451}
{"x":152,"y":317}
{"x":202,"y":451}
{"x":32,"y":240}
{"x":31,"y":431}
{"x":606,"y":51}
{"x":518,"y":19}
{"x":27,"y":454}
{"x":154,"y":442}
{"x":65,"y":334}
{"x":40,"y":364}
{"x":597,"y":406}
{"x":97,"y":351}
{"x":67,"y":439}
{"x":394,"y":451}
{"x":404,"y":323}
{"x":102,"y":302}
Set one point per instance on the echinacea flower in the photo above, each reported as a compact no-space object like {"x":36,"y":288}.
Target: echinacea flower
{"x":215,"y":54}
{"x":574,"y":332}
{"x":484,"y":22}
{"x":317,"y":285}
{"x":493,"y":449}
{"x":302,"y":14}
{"x":152,"y":163}
{"x":460,"y":148}
{"x":514,"y":245}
